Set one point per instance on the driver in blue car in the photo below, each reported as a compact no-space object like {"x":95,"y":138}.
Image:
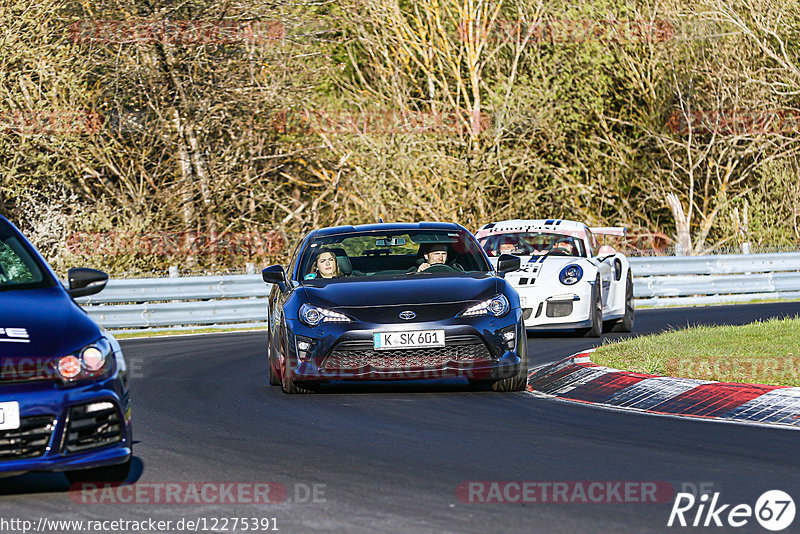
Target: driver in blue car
{"x":436,"y":255}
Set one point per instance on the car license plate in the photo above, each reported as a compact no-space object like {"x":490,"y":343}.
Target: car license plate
{"x":9,"y":415}
{"x":408,"y":340}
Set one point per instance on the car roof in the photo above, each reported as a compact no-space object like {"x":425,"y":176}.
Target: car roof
{"x":388,"y":227}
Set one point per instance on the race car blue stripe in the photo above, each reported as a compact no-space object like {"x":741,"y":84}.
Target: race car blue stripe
{"x":549,"y":221}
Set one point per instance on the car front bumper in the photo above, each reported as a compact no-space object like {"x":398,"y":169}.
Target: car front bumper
{"x":474,"y":348}
{"x":556,"y":308}
{"x":66,"y":428}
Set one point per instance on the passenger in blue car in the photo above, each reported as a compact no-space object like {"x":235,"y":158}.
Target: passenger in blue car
{"x":324,"y":266}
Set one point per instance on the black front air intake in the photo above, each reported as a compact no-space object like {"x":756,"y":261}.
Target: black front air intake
{"x":29,"y":440}
{"x":92,"y":426}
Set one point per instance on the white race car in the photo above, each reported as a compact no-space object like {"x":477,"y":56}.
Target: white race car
{"x":567,"y":281}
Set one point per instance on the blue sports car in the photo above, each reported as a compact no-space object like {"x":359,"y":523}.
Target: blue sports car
{"x":64,"y":402}
{"x":394,"y":302}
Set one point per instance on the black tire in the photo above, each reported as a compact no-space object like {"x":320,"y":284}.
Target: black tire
{"x":626,"y":323}
{"x":596,"y":330}
{"x":519,"y":381}
{"x":110,"y":474}
{"x":290,"y":386}
{"x":274,"y":378}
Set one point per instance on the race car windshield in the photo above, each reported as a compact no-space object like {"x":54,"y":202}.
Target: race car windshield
{"x":533,"y":244}
{"x":370,"y":254}
{"x":19,"y":268}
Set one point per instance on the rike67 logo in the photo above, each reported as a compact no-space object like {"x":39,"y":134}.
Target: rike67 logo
{"x":774,"y":510}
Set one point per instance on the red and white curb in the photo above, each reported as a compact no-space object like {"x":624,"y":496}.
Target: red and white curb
{"x":577,"y":378}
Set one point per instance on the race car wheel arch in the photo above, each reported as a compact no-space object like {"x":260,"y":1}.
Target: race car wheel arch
{"x":618,"y":271}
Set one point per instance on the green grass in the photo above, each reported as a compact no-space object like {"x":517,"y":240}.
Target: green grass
{"x":161,"y":333}
{"x":765,"y":352}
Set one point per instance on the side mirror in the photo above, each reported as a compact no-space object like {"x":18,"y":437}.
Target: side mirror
{"x":274,"y":274}
{"x":507,"y":263}
{"x":84,"y":282}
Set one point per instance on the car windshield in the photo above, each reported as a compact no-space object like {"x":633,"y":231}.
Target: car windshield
{"x":19,"y":268}
{"x":402,"y":253}
{"x":532,"y":244}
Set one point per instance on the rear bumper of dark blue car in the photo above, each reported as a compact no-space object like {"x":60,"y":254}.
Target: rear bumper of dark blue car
{"x":474,"y":348}
{"x":65,"y":429}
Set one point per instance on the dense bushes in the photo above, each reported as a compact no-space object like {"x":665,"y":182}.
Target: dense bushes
{"x":256,"y":117}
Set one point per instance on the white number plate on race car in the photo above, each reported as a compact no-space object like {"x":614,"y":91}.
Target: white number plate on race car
{"x":408,"y":340}
{"x":9,"y":415}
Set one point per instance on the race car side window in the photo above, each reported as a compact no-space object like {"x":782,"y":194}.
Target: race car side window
{"x":595,"y":248}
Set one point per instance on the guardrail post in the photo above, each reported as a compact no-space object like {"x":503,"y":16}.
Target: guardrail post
{"x":173,"y":271}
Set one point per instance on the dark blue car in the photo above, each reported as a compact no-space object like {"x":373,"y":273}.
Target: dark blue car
{"x":64,"y":402}
{"x":394,"y":302}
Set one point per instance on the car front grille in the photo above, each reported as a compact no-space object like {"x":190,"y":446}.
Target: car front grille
{"x":92,"y":429}
{"x":350,"y":357}
{"x":559,"y":309}
{"x":29,"y":440}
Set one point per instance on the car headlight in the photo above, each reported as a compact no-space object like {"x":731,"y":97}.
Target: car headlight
{"x":495,"y":306}
{"x":571,"y":274}
{"x":92,"y":361}
{"x":311,"y":315}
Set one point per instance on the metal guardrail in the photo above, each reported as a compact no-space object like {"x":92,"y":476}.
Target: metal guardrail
{"x":722,"y":264}
{"x":160,"y":302}
{"x":242,"y":299}
{"x":705,"y":280}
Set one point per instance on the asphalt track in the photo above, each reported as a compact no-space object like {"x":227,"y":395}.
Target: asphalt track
{"x":389,"y":457}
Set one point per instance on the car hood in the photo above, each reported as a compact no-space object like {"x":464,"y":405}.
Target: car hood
{"x":417,"y":289}
{"x":54,"y":324}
